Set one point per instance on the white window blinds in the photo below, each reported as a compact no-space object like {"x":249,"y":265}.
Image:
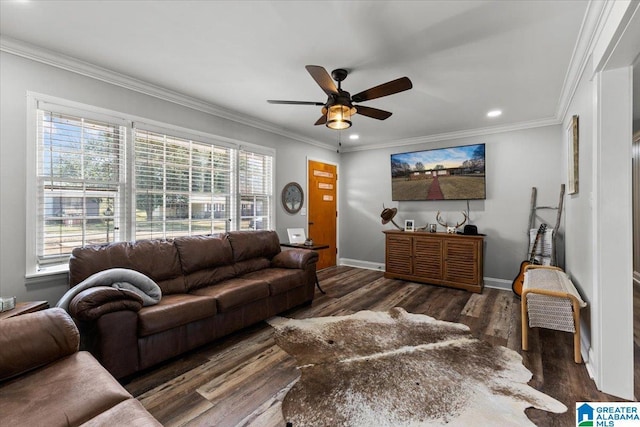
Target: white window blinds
{"x":80,"y":178}
{"x":255,"y":190}
{"x":99,"y":178}
{"x":182,"y":187}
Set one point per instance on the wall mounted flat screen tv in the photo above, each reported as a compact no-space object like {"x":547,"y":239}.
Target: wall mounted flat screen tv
{"x":454,"y":173}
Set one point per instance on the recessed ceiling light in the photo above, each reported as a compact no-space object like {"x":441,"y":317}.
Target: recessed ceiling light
{"x":354,"y":136}
{"x":494,"y":113}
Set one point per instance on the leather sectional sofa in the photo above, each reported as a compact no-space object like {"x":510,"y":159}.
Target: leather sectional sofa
{"x":45,"y":380}
{"x":211,"y":286}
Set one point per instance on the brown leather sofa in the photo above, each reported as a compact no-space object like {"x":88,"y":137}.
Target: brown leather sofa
{"x":45,"y":380}
{"x":211,"y":286}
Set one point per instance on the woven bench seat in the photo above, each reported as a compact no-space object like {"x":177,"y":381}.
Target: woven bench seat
{"x":549,"y":300}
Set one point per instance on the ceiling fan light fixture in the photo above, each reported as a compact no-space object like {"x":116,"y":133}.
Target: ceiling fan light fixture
{"x":339,"y":117}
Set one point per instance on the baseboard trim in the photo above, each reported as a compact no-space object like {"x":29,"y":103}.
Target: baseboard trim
{"x":502,"y":284}
{"x":348,"y":262}
{"x":588,"y":363}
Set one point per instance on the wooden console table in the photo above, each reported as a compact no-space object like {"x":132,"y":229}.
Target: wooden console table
{"x":453,"y":260}
{"x":24,"y":308}
{"x":315,"y":247}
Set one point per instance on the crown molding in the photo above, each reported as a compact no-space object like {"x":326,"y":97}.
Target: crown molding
{"x":68,"y":63}
{"x":587,"y":37}
{"x":552,"y":121}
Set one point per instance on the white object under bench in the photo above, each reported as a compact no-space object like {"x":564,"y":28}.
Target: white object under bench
{"x":549,"y":300}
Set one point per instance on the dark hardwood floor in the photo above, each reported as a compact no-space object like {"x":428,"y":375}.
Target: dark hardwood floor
{"x":241,"y":379}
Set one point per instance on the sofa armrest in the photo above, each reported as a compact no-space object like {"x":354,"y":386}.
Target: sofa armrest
{"x":295,"y":258}
{"x":32,"y":340}
{"x":94,"y":302}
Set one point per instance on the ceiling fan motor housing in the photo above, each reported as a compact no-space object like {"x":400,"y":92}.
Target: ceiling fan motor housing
{"x":342,"y":98}
{"x":339,"y":74}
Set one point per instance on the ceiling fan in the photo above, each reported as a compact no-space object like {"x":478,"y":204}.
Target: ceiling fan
{"x":337,"y":111}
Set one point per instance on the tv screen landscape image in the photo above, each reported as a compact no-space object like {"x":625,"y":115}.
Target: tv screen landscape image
{"x":454,"y":173}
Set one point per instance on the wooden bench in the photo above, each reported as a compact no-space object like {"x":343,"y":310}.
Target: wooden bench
{"x":549,"y":300}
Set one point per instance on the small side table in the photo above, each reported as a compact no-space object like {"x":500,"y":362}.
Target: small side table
{"x":24,"y":308}
{"x":315,"y":247}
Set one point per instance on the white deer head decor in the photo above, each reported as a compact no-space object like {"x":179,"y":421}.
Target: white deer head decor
{"x":451,"y":228}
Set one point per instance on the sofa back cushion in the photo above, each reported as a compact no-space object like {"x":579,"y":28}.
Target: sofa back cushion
{"x":205,"y":260}
{"x":254,"y":244}
{"x":253,"y":250}
{"x":157,"y":259}
{"x":200,"y":252}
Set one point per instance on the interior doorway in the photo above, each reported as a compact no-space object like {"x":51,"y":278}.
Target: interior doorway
{"x":323,"y":212}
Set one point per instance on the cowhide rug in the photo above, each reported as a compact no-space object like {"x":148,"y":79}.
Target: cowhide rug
{"x":401,"y":369}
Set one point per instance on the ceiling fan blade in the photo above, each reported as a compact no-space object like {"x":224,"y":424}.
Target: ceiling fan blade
{"x":321,"y":121}
{"x":385,"y":89}
{"x":374,"y":113}
{"x":323,"y":79}
{"x":275,"y":101}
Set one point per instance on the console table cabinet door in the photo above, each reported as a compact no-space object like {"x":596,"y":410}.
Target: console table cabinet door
{"x":451,"y":260}
{"x":399,"y":255}
{"x":427,"y":259}
{"x":461,"y":262}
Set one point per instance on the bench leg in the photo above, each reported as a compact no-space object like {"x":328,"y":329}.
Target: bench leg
{"x":577,"y":356}
{"x":525,"y":322}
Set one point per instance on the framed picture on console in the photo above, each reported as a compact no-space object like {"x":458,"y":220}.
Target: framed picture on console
{"x":296,"y":235}
{"x":408,"y":225}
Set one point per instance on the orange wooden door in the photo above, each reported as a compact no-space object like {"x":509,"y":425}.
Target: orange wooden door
{"x":323,"y":211}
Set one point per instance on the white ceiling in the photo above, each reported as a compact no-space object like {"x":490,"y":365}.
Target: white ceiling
{"x":464,"y":57}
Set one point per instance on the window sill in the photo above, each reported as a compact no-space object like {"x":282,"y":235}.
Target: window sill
{"x":47,"y":273}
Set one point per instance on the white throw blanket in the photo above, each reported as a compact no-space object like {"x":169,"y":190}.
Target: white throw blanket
{"x":121,"y":278}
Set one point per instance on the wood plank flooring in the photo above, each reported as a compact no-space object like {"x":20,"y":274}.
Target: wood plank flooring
{"x":240,"y":380}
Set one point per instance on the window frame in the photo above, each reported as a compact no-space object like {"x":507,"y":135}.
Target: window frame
{"x":127,"y":223}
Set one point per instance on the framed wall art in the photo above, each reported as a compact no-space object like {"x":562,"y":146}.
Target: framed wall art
{"x":573,"y":145}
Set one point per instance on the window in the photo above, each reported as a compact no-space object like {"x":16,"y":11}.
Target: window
{"x":183,"y":187}
{"x":255,"y":186}
{"x":80,"y":182}
{"x":100,"y":179}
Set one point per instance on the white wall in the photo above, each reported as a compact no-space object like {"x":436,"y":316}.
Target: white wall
{"x":515,"y":162}
{"x":579,"y":251}
{"x":19,"y":75}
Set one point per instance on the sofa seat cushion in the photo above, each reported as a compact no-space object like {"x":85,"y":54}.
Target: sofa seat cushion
{"x":236,"y":292}
{"x":129,"y":413}
{"x":82,"y":388}
{"x":280,"y":280}
{"x":174,"y":310}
